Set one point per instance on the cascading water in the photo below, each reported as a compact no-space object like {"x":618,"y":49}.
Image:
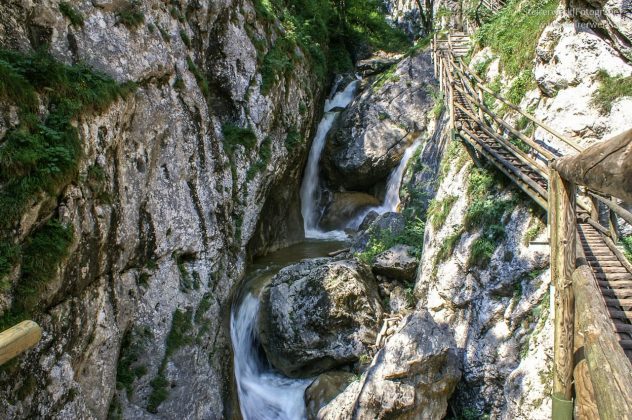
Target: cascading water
{"x":391,"y":199}
{"x":263,"y":393}
{"x":310,"y":188}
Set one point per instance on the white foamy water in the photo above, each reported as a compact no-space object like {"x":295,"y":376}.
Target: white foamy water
{"x":264,"y":394}
{"x":310,"y":187}
{"x":391,"y":199}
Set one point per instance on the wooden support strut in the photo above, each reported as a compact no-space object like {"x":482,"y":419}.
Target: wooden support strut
{"x":18,"y":339}
{"x":563,"y":254}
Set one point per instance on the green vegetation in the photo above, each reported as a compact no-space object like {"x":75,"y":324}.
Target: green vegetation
{"x":381,"y":241}
{"x":327,"y":32}
{"x":265,"y":154}
{"x":513,"y":33}
{"x":611,"y":89}
{"x":627,"y":246}
{"x":520,"y":86}
{"x":292,"y":140}
{"x":439,"y":210}
{"x":131,"y":14}
{"x":185,"y":38}
{"x":481,"y":67}
{"x":235,"y":136}
{"x":39,"y":157}
{"x":74,"y":16}
{"x":41,"y":254}
{"x":129,"y":368}
{"x":535,"y":227}
{"x":179,"y":336}
{"x":486,"y":212}
{"x":447,"y":246}
{"x":199,"y":77}
{"x":439,"y":103}
{"x":387,"y":76}
{"x":455,"y":157}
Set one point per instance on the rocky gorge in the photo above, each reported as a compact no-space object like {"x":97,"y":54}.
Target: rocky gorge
{"x":264,"y":218}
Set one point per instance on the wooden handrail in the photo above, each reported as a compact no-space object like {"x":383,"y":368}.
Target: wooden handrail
{"x":609,"y":368}
{"x":531,"y":118}
{"x":18,"y":339}
{"x":603,"y":167}
{"x":620,"y":211}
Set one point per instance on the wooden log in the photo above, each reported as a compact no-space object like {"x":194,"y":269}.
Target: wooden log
{"x":18,"y":339}
{"x":563,"y":256}
{"x":605,"y":167}
{"x":609,"y":368}
{"x":585,"y":406}
{"x":620,"y":211}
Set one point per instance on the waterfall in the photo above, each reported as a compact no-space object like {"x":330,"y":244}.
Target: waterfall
{"x":391,"y":199}
{"x":263,"y":393}
{"x":310,"y":187}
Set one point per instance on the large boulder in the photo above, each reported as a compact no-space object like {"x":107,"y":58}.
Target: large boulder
{"x":386,"y":224}
{"x":372,"y":134}
{"x":412,"y":377}
{"x":319,"y":314}
{"x":397,"y":263}
{"x":346,"y":206}
{"x":325,"y":388}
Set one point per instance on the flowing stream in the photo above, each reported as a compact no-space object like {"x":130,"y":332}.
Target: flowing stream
{"x":264,"y":393}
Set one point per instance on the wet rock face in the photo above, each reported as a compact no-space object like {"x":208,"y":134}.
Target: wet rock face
{"x":324,"y":389}
{"x":319,"y":314}
{"x":412,"y":377}
{"x":374,"y":131}
{"x":345,"y":206}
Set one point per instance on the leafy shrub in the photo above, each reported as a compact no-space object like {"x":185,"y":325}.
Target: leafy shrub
{"x":520,"y":86}
{"x":413,"y":236}
{"x":128,"y":369}
{"x":265,"y":154}
{"x":74,"y":16}
{"x":447,"y":246}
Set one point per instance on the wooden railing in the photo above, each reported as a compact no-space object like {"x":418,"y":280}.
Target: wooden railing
{"x":16,"y":340}
{"x":593,"y":298}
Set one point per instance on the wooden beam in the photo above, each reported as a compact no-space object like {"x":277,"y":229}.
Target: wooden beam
{"x":563,"y":255}
{"x":610,"y":369}
{"x":620,"y":211}
{"x":605,"y":167}
{"x":18,"y":339}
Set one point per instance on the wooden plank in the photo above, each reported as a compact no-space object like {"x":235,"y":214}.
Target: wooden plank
{"x":18,"y":339}
{"x":604,"y":167}
{"x":610,"y":369}
{"x":563,"y":256}
{"x":614,"y":276}
{"x":616,"y":284}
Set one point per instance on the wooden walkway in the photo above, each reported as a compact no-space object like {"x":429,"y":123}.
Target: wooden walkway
{"x":528,"y":161}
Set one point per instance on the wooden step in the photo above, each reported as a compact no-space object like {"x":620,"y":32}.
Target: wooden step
{"x":626,"y":344}
{"x":623,"y":328}
{"x":616,"y":313}
{"x":617,"y":284}
{"x":605,"y":264}
{"x":616,"y":293}
{"x":610,"y":270}
{"x":618,"y":302}
{"x":613,"y":276}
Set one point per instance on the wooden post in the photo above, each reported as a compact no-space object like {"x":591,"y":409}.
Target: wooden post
{"x":612,"y":223}
{"x":481,"y":99}
{"x":18,"y":339}
{"x":563,"y":255}
{"x":452,"y":121}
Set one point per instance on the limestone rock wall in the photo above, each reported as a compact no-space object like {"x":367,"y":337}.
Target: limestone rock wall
{"x":162,"y":241}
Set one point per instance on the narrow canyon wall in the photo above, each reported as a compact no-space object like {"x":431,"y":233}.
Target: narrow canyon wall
{"x":159,"y":239}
